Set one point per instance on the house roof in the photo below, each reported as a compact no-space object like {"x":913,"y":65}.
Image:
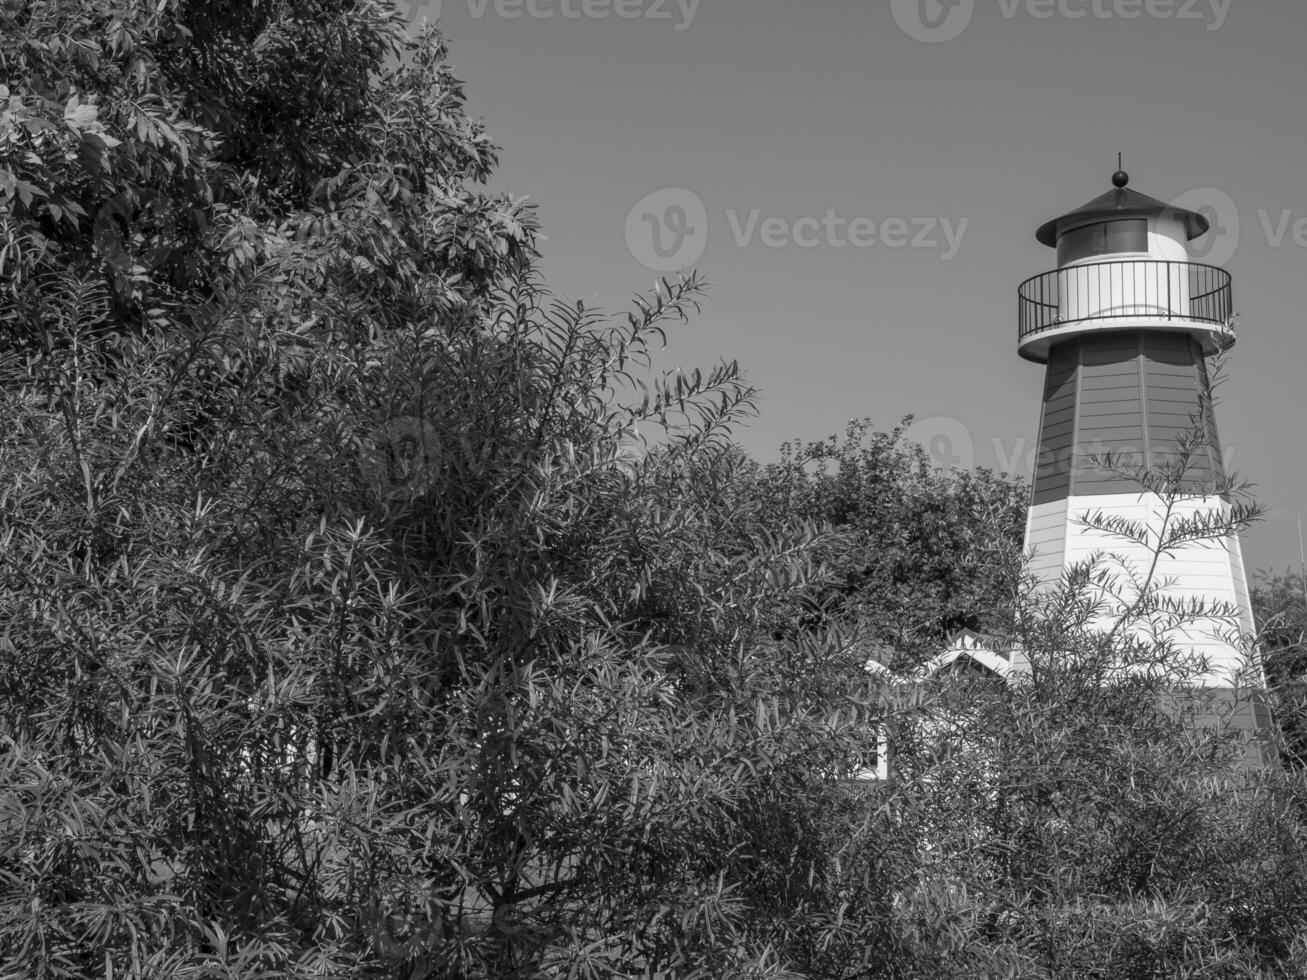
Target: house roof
{"x":987,"y":652}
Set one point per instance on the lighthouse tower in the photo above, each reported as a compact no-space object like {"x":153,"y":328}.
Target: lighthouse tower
{"x":1124,"y":327}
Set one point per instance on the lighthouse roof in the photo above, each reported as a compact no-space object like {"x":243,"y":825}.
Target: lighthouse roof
{"x":1120,"y":202}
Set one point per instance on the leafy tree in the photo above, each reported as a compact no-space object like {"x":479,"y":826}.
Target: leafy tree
{"x":1096,"y":815}
{"x":349,"y":628}
{"x":173,"y":151}
{"x":1093,"y":817}
{"x":346,"y":625}
{"x":923,"y":552}
{"x":1281,"y":613}
{"x":1067,"y":827}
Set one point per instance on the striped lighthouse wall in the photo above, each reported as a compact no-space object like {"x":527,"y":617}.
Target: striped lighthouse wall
{"x":1206,"y":571}
{"x":1110,"y":413}
{"x":1134,"y":394}
{"x":1057,"y":425}
{"x":1046,"y":533}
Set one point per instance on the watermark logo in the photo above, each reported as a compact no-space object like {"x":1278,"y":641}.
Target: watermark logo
{"x":1284,"y":225}
{"x":1219,"y":243}
{"x":1021,"y":457}
{"x":947,"y":442}
{"x":667,"y":231}
{"x":679,"y":14}
{"x":1279,"y":227}
{"x":414,"y":938}
{"x":832,"y":230}
{"x":932,"y":21}
{"x":401,"y":458}
{"x":1210,"y":13}
{"x":424,"y":12}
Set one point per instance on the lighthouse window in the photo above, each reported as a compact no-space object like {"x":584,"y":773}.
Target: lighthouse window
{"x":1104,"y":238}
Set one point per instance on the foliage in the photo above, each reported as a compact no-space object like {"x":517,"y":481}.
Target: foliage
{"x":349,"y":626}
{"x":1071,"y":828}
{"x":271,"y":711}
{"x":923,"y":553}
{"x":1094,"y":816}
{"x":1280,"y":608}
{"x":173,"y":149}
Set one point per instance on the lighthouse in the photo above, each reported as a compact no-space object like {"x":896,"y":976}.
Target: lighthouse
{"x":1124,"y":328}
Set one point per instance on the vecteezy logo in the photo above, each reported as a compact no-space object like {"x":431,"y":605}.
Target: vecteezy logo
{"x":1221,"y":240}
{"x":932,"y":21}
{"x":947,"y":442}
{"x":423,"y":12}
{"x":667,"y":231}
{"x":401,"y":458}
{"x":413,"y":936}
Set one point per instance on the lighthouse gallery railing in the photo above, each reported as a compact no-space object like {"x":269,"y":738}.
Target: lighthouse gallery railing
{"x":1144,"y":289}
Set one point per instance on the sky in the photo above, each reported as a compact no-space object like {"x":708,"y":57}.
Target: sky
{"x":861,"y":181}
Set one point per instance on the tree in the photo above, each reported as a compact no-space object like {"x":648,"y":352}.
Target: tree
{"x":175,"y":151}
{"x":1094,"y":815}
{"x":922,"y":552}
{"x":346,"y":625}
{"x":349,"y":628}
{"x":1281,"y":613}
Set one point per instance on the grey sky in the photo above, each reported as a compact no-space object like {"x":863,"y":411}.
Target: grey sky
{"x":871,"y":198}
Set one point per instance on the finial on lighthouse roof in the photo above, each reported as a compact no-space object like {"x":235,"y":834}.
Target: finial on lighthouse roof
{"x":1120,"y":178}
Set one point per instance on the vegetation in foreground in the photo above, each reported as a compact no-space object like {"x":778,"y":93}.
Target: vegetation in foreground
{"x":347,"y":629}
